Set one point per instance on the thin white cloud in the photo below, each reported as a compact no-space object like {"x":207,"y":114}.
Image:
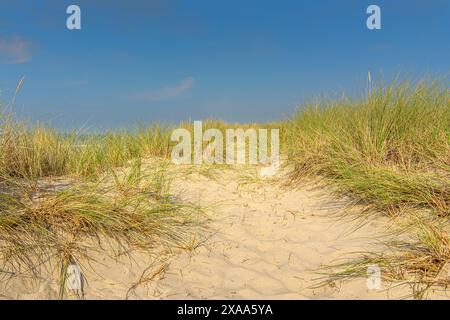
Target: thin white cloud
{"x":167,"y":92}
{"x":15,"y":50}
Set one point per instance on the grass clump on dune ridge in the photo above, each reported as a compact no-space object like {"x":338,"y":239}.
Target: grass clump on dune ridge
{"x":37,"y":152}
{"x":391,"y":149}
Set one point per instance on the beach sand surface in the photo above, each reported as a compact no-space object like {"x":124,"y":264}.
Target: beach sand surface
{"x":259,"y":241}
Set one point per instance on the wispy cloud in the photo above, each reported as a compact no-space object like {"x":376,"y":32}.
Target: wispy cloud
{"x":167,"y":92}
{"x":15,"y":50}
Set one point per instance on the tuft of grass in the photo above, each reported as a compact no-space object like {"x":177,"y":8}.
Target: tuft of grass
{"x":69,"y":225}
{"x":390,"y":149}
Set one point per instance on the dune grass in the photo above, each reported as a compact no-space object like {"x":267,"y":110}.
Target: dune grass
{"x":126,"y":210}
{"x":40,"y":151}
{"x":389,"y":151}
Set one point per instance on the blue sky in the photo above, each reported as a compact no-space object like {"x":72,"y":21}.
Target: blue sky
{"x":236,"y":60}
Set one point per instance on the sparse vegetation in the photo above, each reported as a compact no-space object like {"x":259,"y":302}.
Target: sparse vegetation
{"x":420,"y":260}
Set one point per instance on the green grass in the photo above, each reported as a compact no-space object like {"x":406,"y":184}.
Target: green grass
{"x":38,"y":152}
{"x":390,"y":150}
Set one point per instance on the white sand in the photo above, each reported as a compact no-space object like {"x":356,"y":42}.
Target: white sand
{"x":263,"y":243}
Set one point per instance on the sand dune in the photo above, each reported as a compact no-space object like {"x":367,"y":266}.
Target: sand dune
{"x":261,"y":242}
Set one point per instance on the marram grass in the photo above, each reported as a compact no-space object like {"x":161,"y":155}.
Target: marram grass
{"x":391,"y":149}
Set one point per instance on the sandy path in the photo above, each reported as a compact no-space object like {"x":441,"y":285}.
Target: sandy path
{"x":264,"y":244}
